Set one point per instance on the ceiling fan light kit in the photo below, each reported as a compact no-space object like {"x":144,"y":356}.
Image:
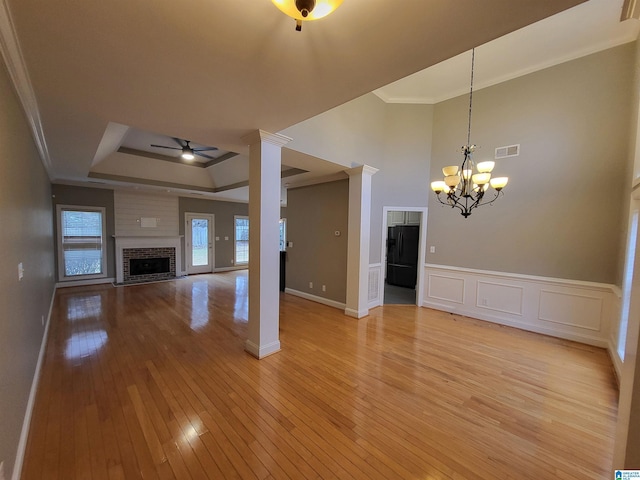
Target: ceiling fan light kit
{"x":189,"y":153}
{"x":306,"y":10}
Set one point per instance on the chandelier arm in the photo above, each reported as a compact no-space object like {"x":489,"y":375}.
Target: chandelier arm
{"x":455,"y":202}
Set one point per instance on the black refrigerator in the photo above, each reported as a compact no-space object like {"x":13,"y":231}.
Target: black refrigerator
{"x":402,"y":255}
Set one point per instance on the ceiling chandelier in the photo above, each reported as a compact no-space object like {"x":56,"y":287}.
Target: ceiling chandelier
{"x":464,"y":187}
{"x":305,"y":10}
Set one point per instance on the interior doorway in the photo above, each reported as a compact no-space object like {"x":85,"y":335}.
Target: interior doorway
{"x":403,"y":255}
{"x":198,"y":243}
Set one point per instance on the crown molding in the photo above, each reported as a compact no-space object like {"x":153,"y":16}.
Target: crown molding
{"x":12,"y":55}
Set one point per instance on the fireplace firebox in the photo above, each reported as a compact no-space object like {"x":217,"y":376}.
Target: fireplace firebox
{"x":147,"y":266}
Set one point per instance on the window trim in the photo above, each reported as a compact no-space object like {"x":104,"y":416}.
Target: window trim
{"x":62,"y":277}
{"x":235,"y":240}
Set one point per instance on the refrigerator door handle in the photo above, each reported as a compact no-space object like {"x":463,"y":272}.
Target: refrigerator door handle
{"x":400,"y":244}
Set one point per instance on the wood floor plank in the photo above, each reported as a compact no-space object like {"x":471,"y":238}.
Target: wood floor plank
{"x":152,"y":381}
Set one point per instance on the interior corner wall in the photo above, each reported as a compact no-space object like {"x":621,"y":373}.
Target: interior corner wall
{"x":87,"y":197}
{"x":314,"y":214}
{"x":26,"y":237}
{"x":562,"y":210}
{"x":403,"y":176}
{"x":394,"y":138}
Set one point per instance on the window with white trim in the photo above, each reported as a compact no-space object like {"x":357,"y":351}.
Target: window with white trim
{"x":81,"y":242}
{"x":241,"y":240}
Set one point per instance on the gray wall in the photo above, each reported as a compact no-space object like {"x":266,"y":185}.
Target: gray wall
{"x":396,"y":139}
{"x":564,"y":206}
{"x":314,"y":214}
{"x":26,"y":236}
{"x":87,"y":197}
{"x":224,"y":224}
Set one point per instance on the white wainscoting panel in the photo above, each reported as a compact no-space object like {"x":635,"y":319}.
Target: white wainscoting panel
{"x":571,"y":309}
{"x":563,"y":308}
{"x":445,"y":287}
{"x":500,"y":297}
{"x":376,"y":285}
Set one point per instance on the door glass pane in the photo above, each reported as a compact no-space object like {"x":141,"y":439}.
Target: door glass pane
{"x":199,"y":241}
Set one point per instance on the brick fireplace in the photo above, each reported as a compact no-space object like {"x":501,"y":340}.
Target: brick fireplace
{"x":146,"y":259}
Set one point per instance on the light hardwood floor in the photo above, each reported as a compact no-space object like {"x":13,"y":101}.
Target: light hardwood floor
{"x":151,"y":381}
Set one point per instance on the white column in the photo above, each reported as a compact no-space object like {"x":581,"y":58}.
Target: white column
{"x":264,"y":237}
{"x":358,"y":243}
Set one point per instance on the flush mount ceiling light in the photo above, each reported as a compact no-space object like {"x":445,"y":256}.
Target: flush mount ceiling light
{"x":305,"y":10}
{"x":464,"y":187}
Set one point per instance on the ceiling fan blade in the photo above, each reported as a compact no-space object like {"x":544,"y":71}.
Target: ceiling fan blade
{"x":162,"y":146}
{"x":200,"y":154}
{"x":179,"y":142}
{"x":205,"y":149}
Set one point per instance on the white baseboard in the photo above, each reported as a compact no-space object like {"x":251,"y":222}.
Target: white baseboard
{"x":575,"y":310}
{"x":350,"y":312}
{"x":230,"y":269}
{"x":26,"y":423}
{"x":262,"y":351}
{"x":82,"y":283}
{"x":315,"y":298}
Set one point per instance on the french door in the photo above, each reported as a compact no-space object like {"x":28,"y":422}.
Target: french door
{"x":199,"y":243}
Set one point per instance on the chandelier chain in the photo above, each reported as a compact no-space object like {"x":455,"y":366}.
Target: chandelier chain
{"x":473,"y":55}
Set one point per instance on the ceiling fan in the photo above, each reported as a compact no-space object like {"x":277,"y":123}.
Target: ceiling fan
{"x":188,"y":152}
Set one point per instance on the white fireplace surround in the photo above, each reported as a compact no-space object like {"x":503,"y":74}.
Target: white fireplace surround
{"x":123,"y":242}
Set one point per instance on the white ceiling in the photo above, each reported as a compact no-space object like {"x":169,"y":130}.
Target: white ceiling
{"x":587,"y":28}
{"x":98,"y":76}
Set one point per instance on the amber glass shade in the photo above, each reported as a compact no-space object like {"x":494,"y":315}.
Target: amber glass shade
{"x":322,"y":8}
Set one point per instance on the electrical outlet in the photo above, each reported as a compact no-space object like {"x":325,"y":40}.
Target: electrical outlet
{"x":226,"y":238}
{"x":20,"y":271}
{"x":432,"y":249}
{"x":324,"y":288}
{"x":310,"y":284}
{"x":485,"y":302}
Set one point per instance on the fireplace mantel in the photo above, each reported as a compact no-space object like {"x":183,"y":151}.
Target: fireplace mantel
{"x":123,"y":242}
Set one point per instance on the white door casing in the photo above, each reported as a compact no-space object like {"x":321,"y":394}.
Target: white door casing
{"x":198,"y":242}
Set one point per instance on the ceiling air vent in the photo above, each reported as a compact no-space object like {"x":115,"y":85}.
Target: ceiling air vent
{"x":508,"y":151}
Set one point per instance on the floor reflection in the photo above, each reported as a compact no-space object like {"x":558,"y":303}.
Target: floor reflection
{"x":86,"y":306}
{"x":199,"y":304}
{"x":83,"y":344}
{"x":241,"y":306}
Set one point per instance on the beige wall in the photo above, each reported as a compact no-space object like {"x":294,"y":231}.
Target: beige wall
{"x":26,"y":237}
{"x":564,"y":206}
{"x":314,"y":214}
{"x":88,"y":197}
